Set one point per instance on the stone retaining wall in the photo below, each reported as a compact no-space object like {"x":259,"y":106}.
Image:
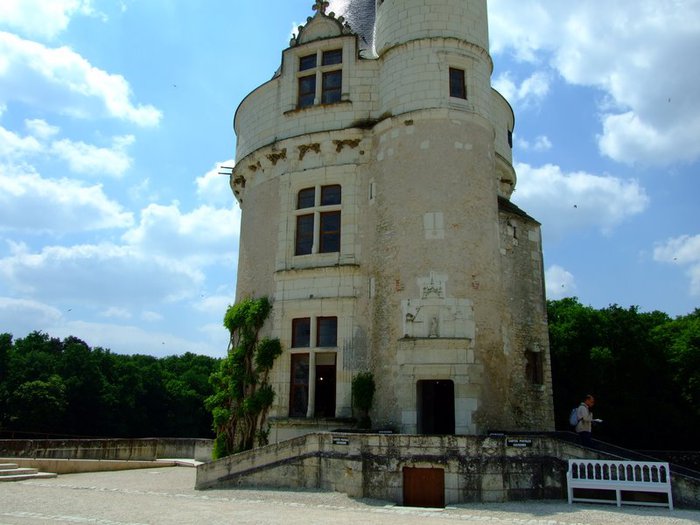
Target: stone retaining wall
{"x":146,"y":449}
{"x":476,"y":468}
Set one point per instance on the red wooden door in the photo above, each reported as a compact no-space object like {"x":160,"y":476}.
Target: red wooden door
{"x":424,"y":487}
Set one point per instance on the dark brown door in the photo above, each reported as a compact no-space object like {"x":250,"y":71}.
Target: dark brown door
{"x":436,"y":407}
{"x":424,"y":487}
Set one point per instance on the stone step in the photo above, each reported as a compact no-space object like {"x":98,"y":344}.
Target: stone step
{"x":13,"y":472}
{"x":24,"y":471}
{"x":21,"y":477}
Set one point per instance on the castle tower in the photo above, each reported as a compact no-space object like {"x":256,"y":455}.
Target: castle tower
{"x":374,"y":175}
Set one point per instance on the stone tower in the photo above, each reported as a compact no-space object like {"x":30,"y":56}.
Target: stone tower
{"x":374,"y":173}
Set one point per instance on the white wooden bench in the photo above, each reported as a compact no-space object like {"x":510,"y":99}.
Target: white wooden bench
{"x":619,"y":476}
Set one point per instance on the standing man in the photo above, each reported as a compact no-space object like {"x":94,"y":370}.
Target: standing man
{"x":585,"y":420}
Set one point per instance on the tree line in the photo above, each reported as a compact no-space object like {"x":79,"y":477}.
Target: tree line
{"x":63,"y":388}
{"x":643,"y":368}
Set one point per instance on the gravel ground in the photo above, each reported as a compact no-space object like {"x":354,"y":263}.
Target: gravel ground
{"x":167,"y":496}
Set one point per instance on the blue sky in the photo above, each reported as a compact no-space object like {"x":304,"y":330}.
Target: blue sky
{"x":115,"y":116}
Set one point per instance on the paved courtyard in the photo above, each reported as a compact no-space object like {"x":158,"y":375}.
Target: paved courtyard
{"x":167,"y":496}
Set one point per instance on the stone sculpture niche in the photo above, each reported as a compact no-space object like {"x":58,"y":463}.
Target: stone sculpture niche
{"x":434,"y":315}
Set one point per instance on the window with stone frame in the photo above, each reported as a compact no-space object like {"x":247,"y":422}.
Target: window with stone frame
{"x":320,"y":72}
{"x":312,"y":381}
{"x":458,"y":86}
{"x":318,"y":220}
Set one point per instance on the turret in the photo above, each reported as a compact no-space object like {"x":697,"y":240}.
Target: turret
{"x":401,"y":21}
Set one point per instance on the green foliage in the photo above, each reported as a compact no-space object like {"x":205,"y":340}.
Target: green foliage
{"x":66,"y":388}
{"x":242,"y":395}
{"x":643,"y":368}
{"x":363,"y":388}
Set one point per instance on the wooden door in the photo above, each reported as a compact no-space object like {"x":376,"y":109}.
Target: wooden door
{"x":424,"y":487}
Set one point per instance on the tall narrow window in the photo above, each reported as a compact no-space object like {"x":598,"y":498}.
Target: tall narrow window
{"x":329,"y":234}
{"x":307,"y":91}
{"x":301,"y":332}
{"x":321,"y":208}
{"x":332,"y":84}
{"x":305,"y":234}
{"x":299,"y":385}
{"x":458,"y":88}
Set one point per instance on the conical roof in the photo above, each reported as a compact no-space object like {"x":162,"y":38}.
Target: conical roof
{"x":360,"y":15}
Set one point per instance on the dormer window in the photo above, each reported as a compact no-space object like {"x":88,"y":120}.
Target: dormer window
{"x":326,"y":79}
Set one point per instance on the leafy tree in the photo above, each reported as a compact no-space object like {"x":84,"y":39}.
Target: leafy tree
{"x":681,"y":340}
{"x":5,"y":348}
{"x":39,"y":404}
{"x":92,"y":392}
{"x":242,"y":395}
{"x":640,"y":366}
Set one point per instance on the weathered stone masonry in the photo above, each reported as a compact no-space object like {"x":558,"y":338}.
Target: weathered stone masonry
{"x":374,"y":173}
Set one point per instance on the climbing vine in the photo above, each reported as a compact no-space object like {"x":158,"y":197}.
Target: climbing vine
{"x":242,"y":394}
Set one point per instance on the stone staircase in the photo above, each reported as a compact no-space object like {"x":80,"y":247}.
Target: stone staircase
{"x":12,"y":472}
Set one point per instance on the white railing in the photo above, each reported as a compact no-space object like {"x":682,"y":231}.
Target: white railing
{"x":619,"y":476}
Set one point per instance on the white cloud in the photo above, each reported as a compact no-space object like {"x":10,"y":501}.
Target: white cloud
{"x":682,"y":251}
{"x":215,"y":305}
{"x":213,"y":187}
{"x":22,"y":316}
{"x":40,"y":128}
{"x":86,"y":158}
{"x":104,"y":274}
{"x":117,"y":313}
{"x":541,"y":143}
{"x":14,"y":147}
{"x":43,"y":18}
{"x":531,"y":91}
{"x":559,"y":282}
{"x":151,"y":317}
{"x":206,"y":235}
{"x":31,"y":203}
{"x":136,"y":340}
{"x":635,"y":51}
{"x":567,"y":201}
{"x":61,"y":80}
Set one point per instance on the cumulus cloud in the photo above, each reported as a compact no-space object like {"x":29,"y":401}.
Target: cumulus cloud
{"x":213,"y":187}
{"x":635,"y":51}
{"x":567,"y":201}
{"x":531,"y":90}
{"x":559,"y":282}
{"x":26,"y":315}
{"x":60,"y":80}
{"x":31,"y":203}
{"x":42,"y":18}
{"x":105,"y":274}
{"x":89,"y":159}
{"x":15,"y":147}
{"x":206,"y":235}
{"x":682,"y":251}
{"x":40,"y":128}
{"x":541,"y":143}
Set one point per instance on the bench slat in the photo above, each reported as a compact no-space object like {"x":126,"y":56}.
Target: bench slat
{"x":618,"y":476}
